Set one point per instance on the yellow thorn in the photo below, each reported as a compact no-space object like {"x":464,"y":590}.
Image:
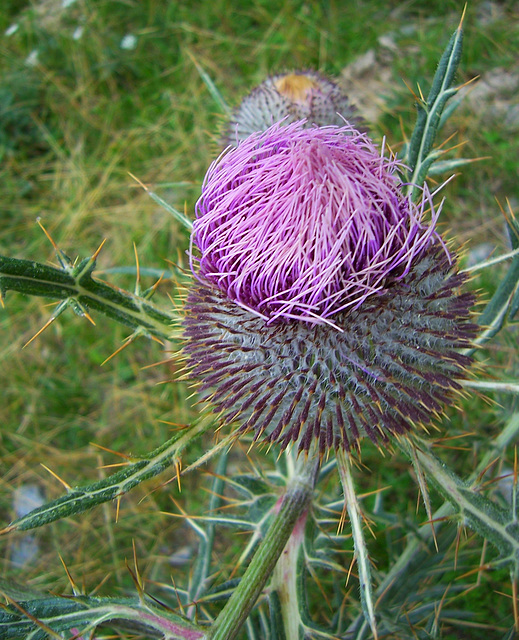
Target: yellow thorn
{"x":39,"y":623}
{"x":342,"y":521}
{"x":421,"y":94}
{"x":99,"y":585}
{"x":98,"y":251}
{"x":75,"y":590}
{"x":128,"y":341}
{"x":115,"y":465}
{"x":179,"y":601}
{"x":178,"y":468}
{"x":89,"y":317}
{"x":450,"y":138}
{"x":490,"y":464}
{"x":136,"y":566}
{"x":65,"y":484}
{"x":116,"y":453}
{"x":462,"y":16}
{"x":141,"y":184}
{"x":156,"y":364}
{"x":350,"y":570}
{"x":137,"y":266}
{"x":49,"y":237}
{"x":412,"y":91}
{"x":154,"y":287}
{"x":117,"y":509}
{"x":47,"y":324}
{"x":7,"y":529}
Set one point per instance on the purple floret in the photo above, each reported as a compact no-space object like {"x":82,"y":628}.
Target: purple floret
{"x":300,"y":223}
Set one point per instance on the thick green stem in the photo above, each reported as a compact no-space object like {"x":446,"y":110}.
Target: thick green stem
{"x":286,"y":579}
{"x":361,"y":549}
{"x":293,"y":504}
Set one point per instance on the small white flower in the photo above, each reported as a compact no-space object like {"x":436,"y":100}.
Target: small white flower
{"x":12,"y":29}
{"x":32,"y":59}
{"x":129,"y":42}
{"x":77,"y":33}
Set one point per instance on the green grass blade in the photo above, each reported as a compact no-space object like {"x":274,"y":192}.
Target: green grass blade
{"x":213,"y":89}
{"x":183,"y":219}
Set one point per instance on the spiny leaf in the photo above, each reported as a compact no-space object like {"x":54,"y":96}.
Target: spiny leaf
{"x":30,"y":619}
{"x":80,"y":499}
{"x":495,"y":523}
{"x":418,"y":156}
{"x":81,"y":291}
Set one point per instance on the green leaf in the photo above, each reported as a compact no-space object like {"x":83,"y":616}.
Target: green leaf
{"x":440,"y":167}
{"x":503,"y":305}
{"x":200,"y":573}
{"x":80,"y":499}
{"x":419,"y":156}
{"x":76,"y":287}
{"x":495,"y":523}
{"x":37,"y":619}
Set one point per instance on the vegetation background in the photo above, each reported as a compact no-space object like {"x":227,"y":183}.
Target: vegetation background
{"x":93,"y":90}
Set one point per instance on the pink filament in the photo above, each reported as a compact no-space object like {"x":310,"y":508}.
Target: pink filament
{"x":304,"y":223}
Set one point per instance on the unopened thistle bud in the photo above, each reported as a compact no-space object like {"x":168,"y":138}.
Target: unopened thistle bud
{"x":324,"y":307}
{"x":299,"y":95}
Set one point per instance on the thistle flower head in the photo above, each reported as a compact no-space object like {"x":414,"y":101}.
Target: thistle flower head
{"x":288,"y":97}
{"x":324,"y":308}
{"x":303,"y":223}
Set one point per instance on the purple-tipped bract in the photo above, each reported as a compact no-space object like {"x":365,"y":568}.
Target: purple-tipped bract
{"x":303,"y":223}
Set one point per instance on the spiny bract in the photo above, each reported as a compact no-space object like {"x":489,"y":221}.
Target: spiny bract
{"x":288,"y":97}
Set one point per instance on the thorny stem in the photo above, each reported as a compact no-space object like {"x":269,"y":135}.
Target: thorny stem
{"x":291,"y":507}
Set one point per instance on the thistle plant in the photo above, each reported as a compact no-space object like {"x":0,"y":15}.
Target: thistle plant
{"x":325,"y":309}
{"x":324,"y":313}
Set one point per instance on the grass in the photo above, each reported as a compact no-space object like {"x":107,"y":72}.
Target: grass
{"x":78,"y":112}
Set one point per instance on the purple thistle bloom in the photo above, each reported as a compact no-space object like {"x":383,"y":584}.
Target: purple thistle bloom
{"x":303,"y":223}
{"x":324,"y":308}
